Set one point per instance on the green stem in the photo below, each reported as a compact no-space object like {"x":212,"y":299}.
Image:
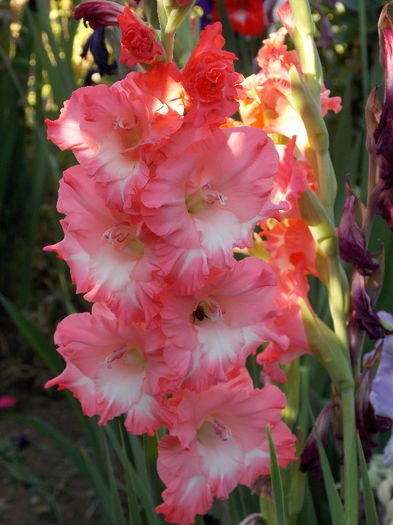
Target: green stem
{"x":338,"y":293}
{"x":350,"y":458}
{"x":169,"y":40}
{"x":320,"y":218}
{"x":303,"y":37}
{"x":363,"y":48}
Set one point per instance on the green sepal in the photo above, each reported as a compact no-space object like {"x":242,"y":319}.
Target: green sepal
{"x":328,"y":349}
{"x":309,"y":109}
{"x":321,"y":227}
{"x":175,"y":14}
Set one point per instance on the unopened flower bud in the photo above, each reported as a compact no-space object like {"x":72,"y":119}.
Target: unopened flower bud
{"x":352,"y":241}
{"x":98,"y":13}
{"x":309,"y":459}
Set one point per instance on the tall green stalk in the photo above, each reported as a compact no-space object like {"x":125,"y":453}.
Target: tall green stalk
{"x":306,"y":96}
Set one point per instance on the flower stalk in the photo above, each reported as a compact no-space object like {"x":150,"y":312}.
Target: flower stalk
{"x":320,"y":218}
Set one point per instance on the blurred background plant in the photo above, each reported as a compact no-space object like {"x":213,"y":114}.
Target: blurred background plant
{"x":44,"y":55}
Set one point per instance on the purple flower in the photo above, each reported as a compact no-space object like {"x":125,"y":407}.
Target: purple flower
{"x":207,"y":17}
{"x":96,"y":45}
{"x":382,"y":387}
{"x":385,"y":206}
{"x":98,"y":13}
{"x":381,"y":395}
{"x":352,"y":242}
{"x":383,"y":134}
{"x":309,"y":459}
{"x":364,"y":312}
{"x":368,"y":421}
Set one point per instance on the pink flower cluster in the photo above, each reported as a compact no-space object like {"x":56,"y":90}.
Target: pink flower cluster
{"x":160,"y":197}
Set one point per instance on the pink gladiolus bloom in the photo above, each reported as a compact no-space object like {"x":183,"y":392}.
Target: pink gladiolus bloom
{"x":113,"y":368}
{"x":111,"y":259}
{"x":210,"y":81}
{"x":217,"y":441}
{"x":207,"y":200}
{"x":138,"y":41}
{"x":214,"y":330}
{"x":114,"y":132}
{"x":7,"y":401}
{"x":293,"y":254}
{"x":292,"y":178}
{"x":269,"y":104}
{"x":284,"y":13}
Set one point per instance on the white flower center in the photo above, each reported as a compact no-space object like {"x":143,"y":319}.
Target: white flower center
{"x":204,"y":196}
{"x":125,"y":356}
{"x":209,"y":308}
{"x":122,"y":236}
{"x":211,"y":429}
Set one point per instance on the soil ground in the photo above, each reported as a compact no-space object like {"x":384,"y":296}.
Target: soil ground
{"x":38,"y":484}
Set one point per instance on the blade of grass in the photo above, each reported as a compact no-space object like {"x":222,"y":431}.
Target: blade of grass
{"x":61,"y":88}
{"x":34,"y":337}
{"x":65,"y":445}
{"x":335,"y":505}
{"x":133,"y":511}
{"x":39,"y":130}
{"x":115,"y":502}
{"x":64,"y":69}
{"x":369,"y":502}
{"x":140,"y":485}
{"x":278,"y":492}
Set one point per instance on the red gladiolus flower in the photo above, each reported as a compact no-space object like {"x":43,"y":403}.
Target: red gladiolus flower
{"x":211,"y":84}
{"x":246,"y":16}
{"x":138,"y":42}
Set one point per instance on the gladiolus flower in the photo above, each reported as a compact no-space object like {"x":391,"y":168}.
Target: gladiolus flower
{"x":217,"y":441}
{"x":98,"y":12}
{"x":384,"y":132}
{"x":292,"y":256}
{"x":215,"y":329}
{"x":114,"y":132}
{"x":352,"y":241}
{"x":268,"y":104}
{"x":206,"y":200}
{"x":309,"y":459}
{"x":96,"y":45}
{"x":138,"y":41}
{"x":210,"y":81}
{"x":292,"y":178}
{"x":111,"y":259}
{"x":364,"y":310}
{"x":112,"y":368}
{"x":382,"y":385}
{"x":246,"y":16}
{"x":7,"y":401}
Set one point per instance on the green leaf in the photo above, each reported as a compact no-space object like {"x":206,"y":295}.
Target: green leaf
{"x":335,"y":505}
{"x":369,"y":502}
{"x":115,"y":501}
{"x":139,"y":485}
{"x":278,"y":492}
{"x":33,"y":336}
